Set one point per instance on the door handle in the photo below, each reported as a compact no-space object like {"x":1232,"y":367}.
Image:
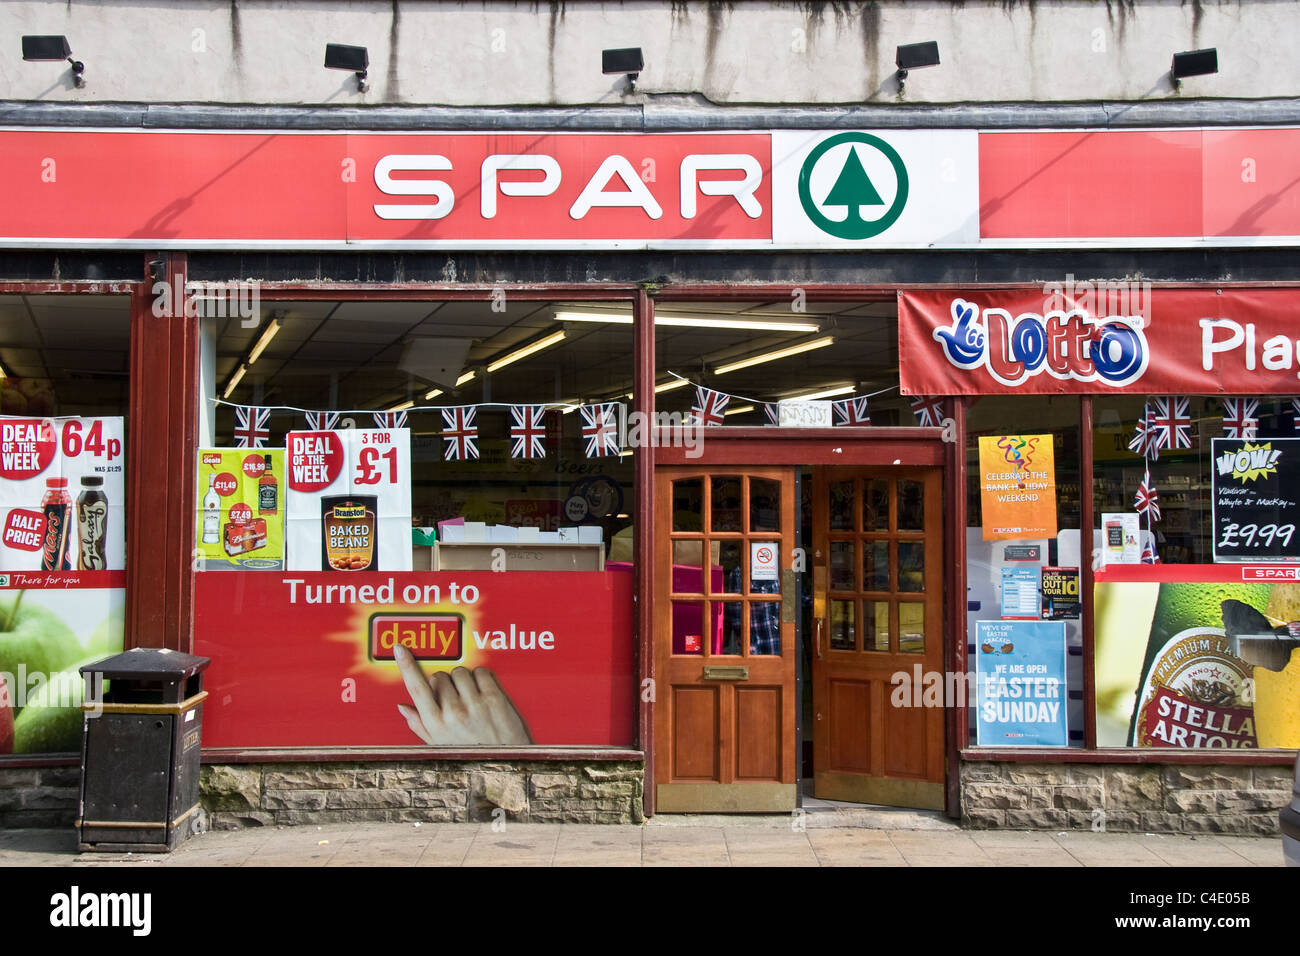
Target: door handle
{"x":820,"y":622}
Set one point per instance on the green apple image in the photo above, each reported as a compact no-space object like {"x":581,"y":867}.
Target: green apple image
{"x":6,"y":718}
{"x":51,"y":721}
{"x":33,"y":636}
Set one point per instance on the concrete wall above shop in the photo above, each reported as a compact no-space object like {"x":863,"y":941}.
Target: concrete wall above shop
{"x":506,"y":53}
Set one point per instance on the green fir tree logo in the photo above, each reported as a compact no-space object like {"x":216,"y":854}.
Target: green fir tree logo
{"x":853,"y":188}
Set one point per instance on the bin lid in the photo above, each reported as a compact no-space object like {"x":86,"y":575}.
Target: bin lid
{"x":150,"y":663}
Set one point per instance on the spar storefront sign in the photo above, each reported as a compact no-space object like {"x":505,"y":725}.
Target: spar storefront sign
{"x":1049,"y":341}
{"x":760,"y":189}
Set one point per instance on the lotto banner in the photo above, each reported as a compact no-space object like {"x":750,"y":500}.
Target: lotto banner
{"x":348,"y":505}
{"x":1017,"y":487}
{"x":311,"y":659}
{"x":1099,"y":338}
{"x":62,"y":583}
{"x":240,"y":511}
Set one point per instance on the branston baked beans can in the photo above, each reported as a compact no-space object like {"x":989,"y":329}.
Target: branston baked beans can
{"x":349,"y":533}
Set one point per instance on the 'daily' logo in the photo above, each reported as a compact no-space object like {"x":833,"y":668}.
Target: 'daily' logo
{"x":853,"y":190}
{"x":1065,"y":345}
{"x":1250,"y":462}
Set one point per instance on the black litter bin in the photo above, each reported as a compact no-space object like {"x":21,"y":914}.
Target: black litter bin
{"x":140,"y":751}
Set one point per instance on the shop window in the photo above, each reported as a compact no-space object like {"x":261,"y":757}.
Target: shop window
{"x":1024,"y":560}
{"x":407,"y":481}
{"x":64,"y":400}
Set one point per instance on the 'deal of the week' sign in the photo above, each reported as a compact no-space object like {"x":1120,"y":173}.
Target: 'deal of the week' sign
{"x":348,"y":503}
{"x":559,"y":646}
{"x":62,"y":494}
{"x":1100,"y":338}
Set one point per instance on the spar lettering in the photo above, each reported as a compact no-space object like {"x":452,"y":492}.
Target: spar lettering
{"x":1064,"y":345}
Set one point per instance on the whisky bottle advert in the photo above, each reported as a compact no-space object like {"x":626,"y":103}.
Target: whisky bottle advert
{"x":240,"y":509}
{"x":348,"y":500}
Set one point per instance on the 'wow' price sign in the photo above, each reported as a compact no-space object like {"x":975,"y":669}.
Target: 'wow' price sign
{"x":348,"y":501}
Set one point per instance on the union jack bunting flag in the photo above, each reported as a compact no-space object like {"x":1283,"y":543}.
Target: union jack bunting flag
{"x":929,"y":411}
{"x":1143,"y":441}
{"x":460,"y":433}
{"x":252,"y":427}
{"x":1295,"y":407}
{"x":600,"y":429}
{"x":1239,"y":419}
{"x":709,"y":407}
{"x":527,"y":431}
{"x":322,"y":421}
{"x":1147,"y":500}
{"x":390,"y":419}
{"x":1171,"y":423}
{"x":851,"y":411}
{"x":773,"y":413}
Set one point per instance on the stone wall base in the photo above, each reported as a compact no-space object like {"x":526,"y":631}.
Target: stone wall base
{"x":242,"y":795}
{"x":39,"y":797}
{"x":1157,"y":799}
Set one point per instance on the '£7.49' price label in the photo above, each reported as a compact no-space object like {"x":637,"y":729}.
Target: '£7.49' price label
{"x":1249,"y":535}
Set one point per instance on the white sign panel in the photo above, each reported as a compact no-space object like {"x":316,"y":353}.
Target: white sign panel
{"x":348,"y":503}
{"x":803,"y":414}
{"x":62,"y":494}
{"x":896,"y":189}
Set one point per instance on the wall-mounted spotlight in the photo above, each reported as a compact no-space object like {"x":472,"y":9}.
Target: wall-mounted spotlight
{"x":54,"y":49}
{"x":354,"y":59}
{"x":914,"y":56}
{"x":628,"y":61}
{"x":1193,"y":63}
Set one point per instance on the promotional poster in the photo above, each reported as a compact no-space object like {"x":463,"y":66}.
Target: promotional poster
{"x":321,"y":659}
{"x":1020,"y":683}
{"x":62,"y":577}
{"x":1060,"y":594}
{"x":240,"y":509}
{"x":1204,"y":663}
{"x":1017,"y":486}
{"x":1256,"y":499}
{"x":348,"y":503}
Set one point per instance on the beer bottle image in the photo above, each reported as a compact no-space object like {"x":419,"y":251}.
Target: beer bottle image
{"x":1194,"y":692}
{"x":57,"y":507}
{"x":92,"y":525}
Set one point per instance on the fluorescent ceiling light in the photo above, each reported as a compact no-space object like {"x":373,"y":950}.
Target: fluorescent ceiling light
{"x":432,"y":393}
{"x":739,"y":410}
{"x":267,"y":334}
{"x":773,"y":356}
{"x":527,"y":350}
{"x":669,"y":386}
{"x":234,"y":380}
{"x":467,"y":377}
{"x":571,"y":405}
{"x":821,"y":393}
{"x":403,"y":406}
{"x":692,"y":322}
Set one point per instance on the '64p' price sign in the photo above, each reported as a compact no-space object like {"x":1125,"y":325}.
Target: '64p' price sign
{"x":1256,"y":488}
{"x":348,"y":501}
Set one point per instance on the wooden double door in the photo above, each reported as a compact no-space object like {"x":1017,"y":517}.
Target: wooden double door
{"x":730,"y":585}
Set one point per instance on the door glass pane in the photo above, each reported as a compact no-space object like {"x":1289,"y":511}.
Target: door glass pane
{"x":727,"y":569}
{"x":688,"y":627}
{"x":875,"y":505}
{"x":726,"y":493}
{"x":911,"y":565}
{"x":764,"y":505}
{"x":911,"y":627}
{"x":688,"y":500}
{"x":842,"y":626}
{"x":911,"y":506}
{"x":688,"y":573}
{"x":875,"y":565}
{"x":842,"y":571}
{"x":841,"y":502}
{"x":875,"y":625}
{"x":765,"y":627}
{"x":732,"y":627}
